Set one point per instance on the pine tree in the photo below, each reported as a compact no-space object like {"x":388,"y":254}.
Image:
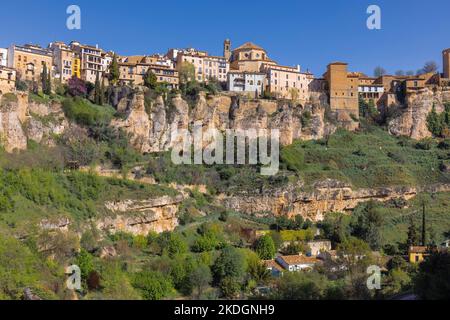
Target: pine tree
{"x":413,"y":238}
{"x":114,"y":71}
{"x":102,"y":92}
{"x":97,"y":89}
{"x":44,"y":78}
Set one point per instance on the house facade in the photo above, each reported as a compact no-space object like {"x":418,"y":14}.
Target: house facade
{"x":29,"y":61}
{"x":297,"y":262}
{"x":91,"y":61}
{"x":3,"y":57}
{"x":65,"y":61}
{"x":251,"y":83}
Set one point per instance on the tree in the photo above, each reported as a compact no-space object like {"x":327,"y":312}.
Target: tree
{"x":258,"y":271}
{"x":366,"y":224}
{"x":230,"y":263}
{"x":409,"y":73}
{"x":85,"y":262}
{"x":152,"y":285}
{"x":172,"y":244}
{"x":399,"y":73}
{"x":302,"y":286}
{"x":413,"y":237}
{"x":430,"y":66}
{"x":186,"y":72}
{"x":114,"y":72}
{"x":201,"y":278}
{"x":76,"y":87}
{"x":97,"y":89}
{"x":150,"y":79}
{"x":265,"y":247}
{"x":379,"y":71}
{"x":45,"y":80}
{"x":433,"y":279}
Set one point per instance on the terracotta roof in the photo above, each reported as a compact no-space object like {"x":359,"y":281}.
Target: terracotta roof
{"x":298,"y":259}
{"x":418,"y":249}
{"x":249,"y":45}
{"x":273,"y":264}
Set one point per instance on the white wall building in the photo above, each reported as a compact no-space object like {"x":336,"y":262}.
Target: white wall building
{"x":246,"y":82}
{"x":3,"y":57}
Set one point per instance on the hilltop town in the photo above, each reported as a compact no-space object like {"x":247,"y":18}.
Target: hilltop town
{"x":247,"y":70}
{"x":87,"y":178}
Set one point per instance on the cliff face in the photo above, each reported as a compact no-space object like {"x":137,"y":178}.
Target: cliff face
{"x":326,"y":196}
{"x":22,"y":120}
{"x":141,"y":217}
{"x":155,"y":130}
{"x":412,"y":120}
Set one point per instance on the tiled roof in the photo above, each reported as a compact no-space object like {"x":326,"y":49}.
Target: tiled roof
{"x":272,"y":264}
{"x":249,"y":45}
{"x":298,"y":259}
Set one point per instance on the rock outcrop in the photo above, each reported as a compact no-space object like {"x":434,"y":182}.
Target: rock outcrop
{"x":140,"y":217}
{"x":22,"y":120}
{"x":156,"y":129}
{"x":412,"y":119}
{"x":326,"y":196}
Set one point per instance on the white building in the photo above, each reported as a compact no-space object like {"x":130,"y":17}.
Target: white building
{"x":297,"y":262}
{"x":3,"y":57}
{"x":246,"y":82}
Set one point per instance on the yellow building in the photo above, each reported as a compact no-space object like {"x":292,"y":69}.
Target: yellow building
{"x":417,"y":254}
{"x":76,"y":67}
{"x":29,"y":61}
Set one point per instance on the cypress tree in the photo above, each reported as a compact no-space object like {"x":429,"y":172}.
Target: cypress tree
{"x":97,"y":90}
{"x":44,"y":78}
{"x":114,"y":70}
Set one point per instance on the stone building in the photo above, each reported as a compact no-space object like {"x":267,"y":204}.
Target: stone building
{"x":3,"y":57}
{"x":132,"y":70}
{"x":65,"y":61}
{"x":446,"y":63}
{"x":29,"y":61}
{"x":249,"y":58}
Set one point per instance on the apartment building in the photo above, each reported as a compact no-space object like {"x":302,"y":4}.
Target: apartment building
{"x":65,"y":61}
{"x":288,"y":82}
{"x":91,"y":60}
{"x":29,"y":61}
{"x":132,"y":70}
{"x":3,"y":57}
{"x":7,"y":79}
{"x":206,"y":67}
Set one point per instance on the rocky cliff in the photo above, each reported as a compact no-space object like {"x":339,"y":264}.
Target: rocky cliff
{"x":155,"y":129}
{"x":22,"y":120}
{"x":412,"y":118}
{"x":326,"y":196}
{"x":140,"y":217}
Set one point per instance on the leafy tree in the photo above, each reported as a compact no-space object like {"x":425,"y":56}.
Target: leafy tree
{"x":150,"y":79}
{"x":201,"y":278}
{"x":172,"y":244}
{"x":76,"y":87}
{"x":229,"y":264}
{"x":230,"y":287}
{"x":152,"y":285}
{"x":302,"y":286}
{"x":367,"y":223}
{"x":379,"y":71}
{"x":258,"y":271}
{"x":186,"y":72}
{"x":433,"y":279}
{"x":114,"y":72}
{"x":265,"y":247}
{"x":86,"y":264}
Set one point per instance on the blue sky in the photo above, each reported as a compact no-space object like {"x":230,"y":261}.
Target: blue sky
{"x":309,"y":33}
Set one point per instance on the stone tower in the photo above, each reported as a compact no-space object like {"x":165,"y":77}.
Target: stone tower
{"x":446,"y":64}
{"x":227,"y":49}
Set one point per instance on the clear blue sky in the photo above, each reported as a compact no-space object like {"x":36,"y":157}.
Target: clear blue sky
{"x":310,"y":33}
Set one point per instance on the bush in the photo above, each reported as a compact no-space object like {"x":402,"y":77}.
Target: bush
{"x":77,"y":87}
{"x":85,"y":113}
{"x":152,"y":285}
